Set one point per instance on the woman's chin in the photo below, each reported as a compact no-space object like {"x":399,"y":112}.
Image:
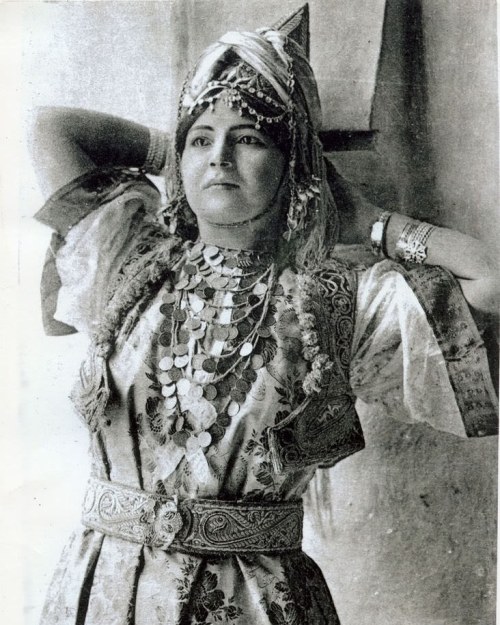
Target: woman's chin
{"x":227,"y":218}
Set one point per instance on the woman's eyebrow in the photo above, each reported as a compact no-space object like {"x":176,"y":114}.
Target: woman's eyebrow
{"x":235,"y":127}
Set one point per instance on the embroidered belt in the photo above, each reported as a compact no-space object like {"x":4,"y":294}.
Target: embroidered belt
{"x":193,"y":525}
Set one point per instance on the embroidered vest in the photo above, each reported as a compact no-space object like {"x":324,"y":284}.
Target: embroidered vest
{"x":325,"y":428}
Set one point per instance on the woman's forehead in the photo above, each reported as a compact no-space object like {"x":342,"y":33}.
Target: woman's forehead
{"x":222,"y":117}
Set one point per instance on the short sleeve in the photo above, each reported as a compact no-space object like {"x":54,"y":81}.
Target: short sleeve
{"x":99,"y":220}
{"x":417,"y":353}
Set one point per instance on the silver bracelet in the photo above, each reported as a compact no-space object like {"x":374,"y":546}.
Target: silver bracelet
{"x":157,"y":152}
{"x":412,"y":243}
{"x":377,"y":235}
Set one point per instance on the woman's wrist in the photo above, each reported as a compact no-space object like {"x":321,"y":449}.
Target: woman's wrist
{"x":400,"y":237}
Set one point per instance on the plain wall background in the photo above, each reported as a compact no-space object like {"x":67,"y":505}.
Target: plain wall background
{"x":408,"y":525}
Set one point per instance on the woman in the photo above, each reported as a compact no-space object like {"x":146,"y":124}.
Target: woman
{"x":229,"y":345}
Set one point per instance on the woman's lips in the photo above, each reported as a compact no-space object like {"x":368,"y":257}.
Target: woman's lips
{"x":221,"y":184}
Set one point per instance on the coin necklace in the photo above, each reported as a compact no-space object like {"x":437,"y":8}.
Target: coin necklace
{"x":236,"y":310}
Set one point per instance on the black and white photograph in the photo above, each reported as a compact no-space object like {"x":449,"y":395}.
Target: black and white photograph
{"x":251,"y":289}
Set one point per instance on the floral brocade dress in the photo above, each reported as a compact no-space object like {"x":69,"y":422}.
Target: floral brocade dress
{"x":223,"y":359}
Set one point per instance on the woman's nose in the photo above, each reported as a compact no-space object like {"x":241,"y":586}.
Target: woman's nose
{"x":221,"y":155}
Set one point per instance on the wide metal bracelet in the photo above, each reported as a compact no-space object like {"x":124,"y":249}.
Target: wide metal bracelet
{"x":157,"y":152}
{"x":377,"y":235}
{"x":412,"y":243}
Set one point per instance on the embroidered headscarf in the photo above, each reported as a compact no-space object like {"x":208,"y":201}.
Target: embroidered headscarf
{"x":266,"y":76}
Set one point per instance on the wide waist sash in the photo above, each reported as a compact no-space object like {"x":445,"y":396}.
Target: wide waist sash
{"x":192,"y":525}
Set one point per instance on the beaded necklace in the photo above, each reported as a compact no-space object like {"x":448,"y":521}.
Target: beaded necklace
{"x":217,"y":319}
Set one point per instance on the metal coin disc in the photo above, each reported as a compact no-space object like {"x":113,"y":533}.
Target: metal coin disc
{"x":166,"y":363}
{"x":169,"y":298}
{"x":233,"y":409}
{"x":211,"y":251}
{"x":175,"y":374}
{"x":259,"y":289}
{"x":190,"y":269}
{"x":204,"y":439}
{"x":270,"y":320}
{"x":198,"y":361}
{"x":170,"y":402}
{"x":208,"y":314}
{"x":242,"y":385}
{"x":180,"y":350}
{"x":197,"y":249}
{"x":182,"y":284}
{"x":180,"y":438}
{"x":164,"y":378}
{"x":217,"y":260}
{"x":167,"y":310}
{"x":179,"y":315}
{"x":238,"y":314}
{"x":246,"y":349}
{"x":233,"y":332}
{"x":210,"y":392}
{"x":181,"y":361}
{"x":220,"y":282}
{"x":168,"y":390}
{"x":244,"y":328}
{"x":209,"y":365}
{"x":183,"y":336}
{"x":249,"y":375}
{"x":238,"y":396}
{"x":198,"y":334}
{"x":193,"y":324}
{"x":197,"y":305}
{"x":224,"y":420}
{"x":165,"y":339}
{"x":183,"y":386}
{"x":257,"y":362}
{"x":223,"y":388}
{"x":220,"y":333}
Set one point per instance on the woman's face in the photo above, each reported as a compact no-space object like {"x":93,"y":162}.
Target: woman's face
{"x":231,"y":172}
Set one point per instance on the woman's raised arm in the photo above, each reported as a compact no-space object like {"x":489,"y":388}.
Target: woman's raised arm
{"x":469,"y":259}
{"x":68,"y":142}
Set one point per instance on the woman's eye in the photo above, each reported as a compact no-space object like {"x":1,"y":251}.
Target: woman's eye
{"x":200,"y":141}
{"x":250,"y":140}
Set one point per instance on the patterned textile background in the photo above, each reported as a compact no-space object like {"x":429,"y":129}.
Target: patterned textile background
{"x":407,"y":532}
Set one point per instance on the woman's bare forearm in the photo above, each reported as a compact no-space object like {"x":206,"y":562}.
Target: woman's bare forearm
{"x":67,"y":142}
{"x":469,"y":259}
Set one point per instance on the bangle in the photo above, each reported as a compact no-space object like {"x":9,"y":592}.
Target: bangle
{"x":377,"y":236}
{"x":412,"y":243}
{"x":157,"y":152}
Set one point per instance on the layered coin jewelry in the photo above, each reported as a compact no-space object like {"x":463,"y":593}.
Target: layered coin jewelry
{"x":217,"y":319}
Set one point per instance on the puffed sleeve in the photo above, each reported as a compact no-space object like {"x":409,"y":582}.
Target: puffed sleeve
{"x":99,"y":220}
{"x":417,"y":352}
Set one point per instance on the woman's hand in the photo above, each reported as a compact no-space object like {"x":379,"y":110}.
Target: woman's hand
{"x":68,"y":142}
{"x":466,"y":257}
